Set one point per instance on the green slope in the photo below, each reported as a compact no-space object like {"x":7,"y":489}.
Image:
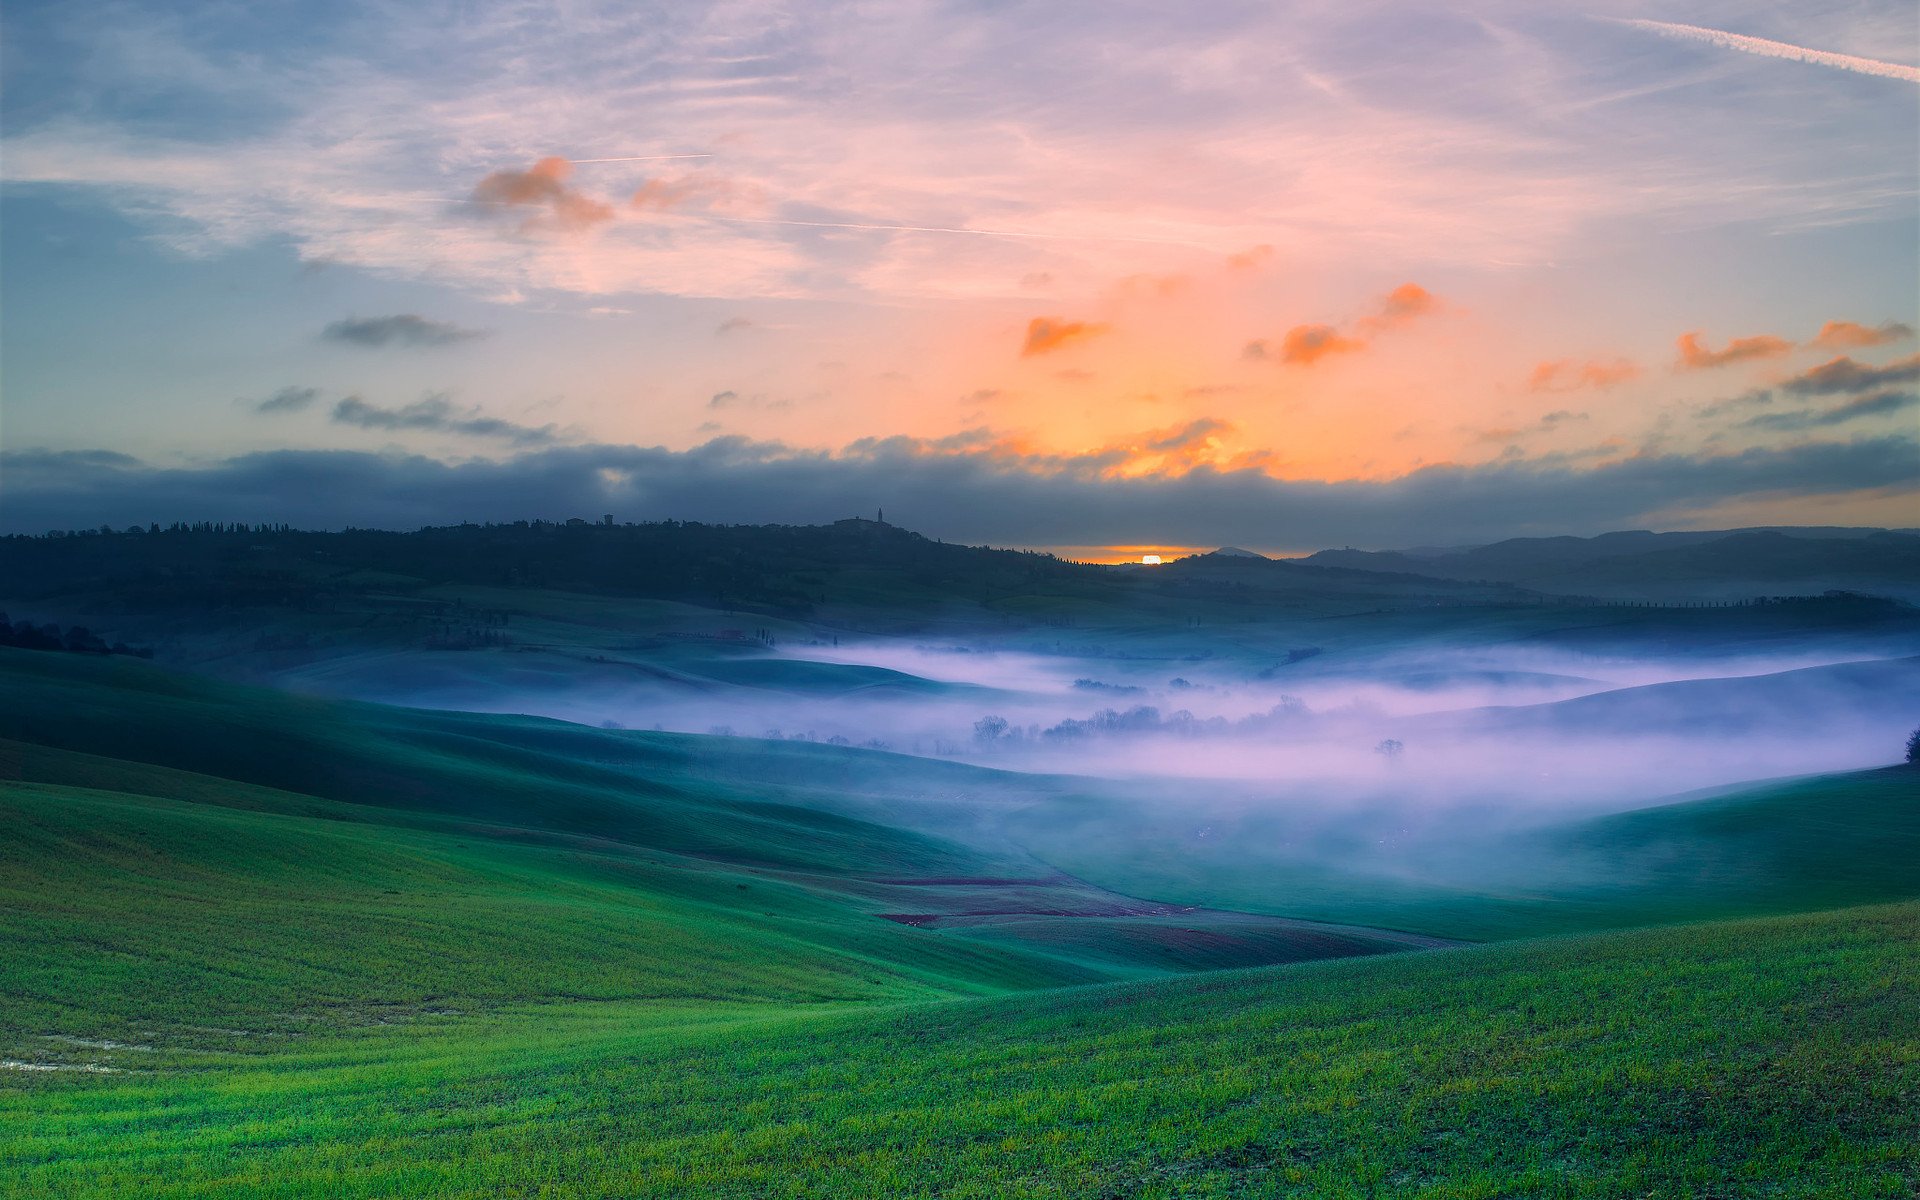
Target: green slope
{"x":1775,"y":847}
{"x":1772,"y":1058}
{"x":523,"y":771}
{"x":180,"y":853}
{"x":256,"y":944}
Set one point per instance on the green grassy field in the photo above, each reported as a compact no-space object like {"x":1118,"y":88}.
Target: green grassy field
{"x":255,"y":944}
{"x":1769,"y":1058}
{"x":182,"y":853}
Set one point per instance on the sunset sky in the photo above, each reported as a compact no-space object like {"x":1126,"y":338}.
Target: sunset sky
{"x":1065,"y":275}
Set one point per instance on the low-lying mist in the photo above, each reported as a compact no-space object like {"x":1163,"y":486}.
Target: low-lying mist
{"x":1536,"y":732}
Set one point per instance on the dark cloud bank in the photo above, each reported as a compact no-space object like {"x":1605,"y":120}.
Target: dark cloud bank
{"x":960,"y":495}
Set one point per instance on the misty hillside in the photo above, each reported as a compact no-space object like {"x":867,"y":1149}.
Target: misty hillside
{"x":1777,"y":704}
{"x":1720,"y":565}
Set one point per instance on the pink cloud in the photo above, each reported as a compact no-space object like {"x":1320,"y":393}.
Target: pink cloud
{"x":1565,"y":375}
{"x":544,"y":185}
{"x":1696,"y":357}
{"x":1048,"y":334}
{"x":1305,"y":345}
{"x":1851,"y":335}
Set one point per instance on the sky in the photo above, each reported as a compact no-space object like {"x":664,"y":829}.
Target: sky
{"x":1094,"y":277}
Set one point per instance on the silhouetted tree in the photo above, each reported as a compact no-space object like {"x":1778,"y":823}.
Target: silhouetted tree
{"x":1913,"y":746}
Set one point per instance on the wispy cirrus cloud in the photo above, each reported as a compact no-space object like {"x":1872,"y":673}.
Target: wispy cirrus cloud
{"x":368,"y":155}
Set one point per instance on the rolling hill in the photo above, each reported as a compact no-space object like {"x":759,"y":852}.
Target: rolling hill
{"x":1719,"y":565}
{"x":260,"y":943}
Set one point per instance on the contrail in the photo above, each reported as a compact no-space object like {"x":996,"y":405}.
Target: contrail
{"x":639,"y":158}
{"x":1771,"y":49}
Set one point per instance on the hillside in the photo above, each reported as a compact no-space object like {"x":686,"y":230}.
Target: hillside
{"x":257,"y":941}
{"x":1721,"y":565}
{"x":1479,"y":874}
{"x":1757,"y":1058}
{"x":163,"y":827}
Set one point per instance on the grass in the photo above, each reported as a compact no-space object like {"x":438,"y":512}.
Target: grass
{"x":252,"y":944}
{"x":242,"y":859}
{"x":1767,"y":1058}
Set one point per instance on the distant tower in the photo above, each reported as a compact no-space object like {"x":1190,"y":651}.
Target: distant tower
{"x":879,"y":516}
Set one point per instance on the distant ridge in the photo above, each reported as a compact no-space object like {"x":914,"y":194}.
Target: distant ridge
{"x":1236,"y":552}
{"x":1725,"y":564}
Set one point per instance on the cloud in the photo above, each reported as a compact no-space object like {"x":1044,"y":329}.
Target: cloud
{"x":1773,"y":49}
{"x":1250,"y":258}
{"x":1876,"y":405}
{"x":1839,"y":376}
{"x":733,"y":325}
{"x":1850,"y":375}
{"x":1404,"y":303}
{"x":436,"y":414}
{"x":1454,"y":158}
{"x":1851,"y":335}
{"x":661,"y":194}
{"x":1696,"y":357}
{"x":1200,"y":432}
{"x":288,"y":399}
{"x":1048,"y":334}
{"x":1549,"y":421}
{"x":733,"y":399}
{"x":1305,"y":345}
{"x":1757,"y":398}
{"x":1565,"y":375}
{"x":403,"y":329}
{"x":965,"y":489}
{"x":59,"y":461}
{"x":542,"y":186}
